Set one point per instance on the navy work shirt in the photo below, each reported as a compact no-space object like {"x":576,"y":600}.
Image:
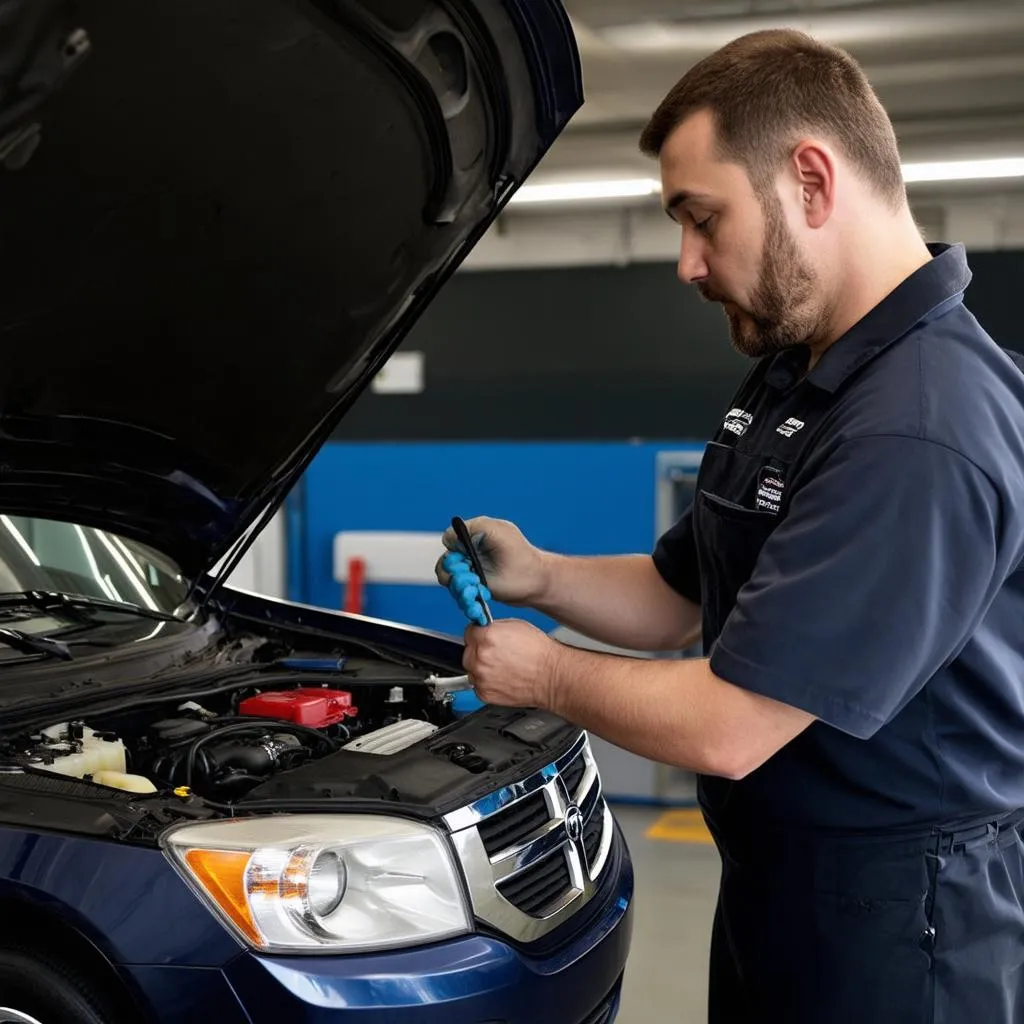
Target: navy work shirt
{"x":855,"y":544}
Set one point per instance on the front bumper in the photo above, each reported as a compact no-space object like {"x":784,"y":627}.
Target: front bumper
{"x":468,"y":981}
{"x":475,"y":980}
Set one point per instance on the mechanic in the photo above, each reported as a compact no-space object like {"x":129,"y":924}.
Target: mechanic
{"x":852,"y":561}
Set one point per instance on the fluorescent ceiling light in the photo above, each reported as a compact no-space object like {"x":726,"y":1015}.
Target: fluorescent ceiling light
{"x":630,"y":188}
{"x":964,"y":170}
{"x":568,"y":191}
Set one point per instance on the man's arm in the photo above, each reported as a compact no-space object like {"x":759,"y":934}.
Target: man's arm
{"x":822,"y":625}
{"x":675,"y":712}
{"x":621,"y":600}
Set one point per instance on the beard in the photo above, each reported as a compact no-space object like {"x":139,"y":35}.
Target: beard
{"x":781,"y":313}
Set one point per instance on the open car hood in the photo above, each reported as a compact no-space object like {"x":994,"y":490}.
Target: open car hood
{"x":230,"y":215}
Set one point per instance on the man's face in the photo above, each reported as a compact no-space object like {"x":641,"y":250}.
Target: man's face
{"x":737,"y":249}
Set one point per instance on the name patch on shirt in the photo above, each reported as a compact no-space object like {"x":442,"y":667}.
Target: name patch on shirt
{"x":737,"y":421}
{"x":790,"y":427}
{"x":770,"y":486}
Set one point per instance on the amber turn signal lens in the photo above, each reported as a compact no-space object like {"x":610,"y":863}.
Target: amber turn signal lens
{"x":222,"y":874}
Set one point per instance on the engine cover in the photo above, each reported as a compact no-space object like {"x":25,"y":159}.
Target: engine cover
{"x":309,"y":706}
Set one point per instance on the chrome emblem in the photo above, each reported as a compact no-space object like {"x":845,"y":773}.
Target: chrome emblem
{"x":573,"y":823}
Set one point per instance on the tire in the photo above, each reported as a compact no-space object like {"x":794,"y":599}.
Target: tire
{"x":36,"y":989}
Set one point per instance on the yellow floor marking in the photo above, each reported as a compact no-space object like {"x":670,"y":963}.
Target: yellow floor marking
{"x":680,"y":827}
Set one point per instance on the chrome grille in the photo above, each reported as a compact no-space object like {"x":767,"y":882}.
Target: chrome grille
{"x":533,"y":853}
{"x":509,"y":828}
{"x":592,"y":835}
{"x":573,"y":776}
{"x":535,"y":890}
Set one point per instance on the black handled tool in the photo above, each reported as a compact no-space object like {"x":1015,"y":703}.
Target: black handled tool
{"x":462,"y":533}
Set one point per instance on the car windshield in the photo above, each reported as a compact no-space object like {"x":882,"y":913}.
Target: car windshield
{"x":81,"y":561}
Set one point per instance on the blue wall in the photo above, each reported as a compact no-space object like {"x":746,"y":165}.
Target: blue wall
{"x":576,"y":498}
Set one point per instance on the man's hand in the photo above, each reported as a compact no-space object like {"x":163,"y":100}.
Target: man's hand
{"x":515,"y":569}
{"x":511,"y":663}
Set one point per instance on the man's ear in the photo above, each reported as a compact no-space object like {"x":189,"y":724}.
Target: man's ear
{"x":813,"y":166}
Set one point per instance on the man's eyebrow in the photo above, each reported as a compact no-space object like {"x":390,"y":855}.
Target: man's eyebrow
{"x":678,"y":198}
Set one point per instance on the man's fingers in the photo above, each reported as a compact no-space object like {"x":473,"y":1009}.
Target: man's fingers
{"x":476,"y":535}
{"x":475,"y":634}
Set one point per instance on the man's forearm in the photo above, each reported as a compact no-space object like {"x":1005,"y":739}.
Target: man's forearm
{"x":619,"y":600}
{"x":677,"y":712}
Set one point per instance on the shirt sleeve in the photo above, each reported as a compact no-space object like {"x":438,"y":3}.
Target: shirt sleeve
{"x":883,"y":567}
{"x":675,"y":558}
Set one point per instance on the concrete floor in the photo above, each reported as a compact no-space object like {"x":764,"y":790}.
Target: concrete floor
{"x":676,"y":885}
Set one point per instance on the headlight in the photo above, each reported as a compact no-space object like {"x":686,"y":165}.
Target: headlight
{"x":329,"y":883}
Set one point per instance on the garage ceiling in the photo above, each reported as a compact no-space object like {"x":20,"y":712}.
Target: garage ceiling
{"x":951,"y":74}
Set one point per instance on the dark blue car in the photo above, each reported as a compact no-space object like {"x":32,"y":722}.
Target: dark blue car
{"x":218,"y":218}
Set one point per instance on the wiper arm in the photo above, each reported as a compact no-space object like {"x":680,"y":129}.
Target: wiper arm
{"x":48,"y":598}
{"x":29,"y":644}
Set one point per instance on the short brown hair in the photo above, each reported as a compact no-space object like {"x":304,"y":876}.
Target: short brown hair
{"x":766,"y":88}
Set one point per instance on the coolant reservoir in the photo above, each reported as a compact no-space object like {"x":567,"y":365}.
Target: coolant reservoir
{"x":87,"y":756}
{"x":118,"y":780}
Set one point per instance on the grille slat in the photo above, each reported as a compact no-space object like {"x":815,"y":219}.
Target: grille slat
{"x":590,"y":802}
{"x":593,"y":832}
{"x":510,"y":827}
{"x":573,"y":775}
{"x":534,"y":890}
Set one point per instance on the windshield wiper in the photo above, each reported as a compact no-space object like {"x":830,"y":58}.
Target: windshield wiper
{"x":48,"y":599}
{"x":29,"y":644}
{"x":81,"y":601}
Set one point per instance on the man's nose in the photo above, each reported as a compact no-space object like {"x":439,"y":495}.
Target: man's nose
{"x":692,"y":265}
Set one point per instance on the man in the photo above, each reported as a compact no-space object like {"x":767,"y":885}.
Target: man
{"x":852,"y":560}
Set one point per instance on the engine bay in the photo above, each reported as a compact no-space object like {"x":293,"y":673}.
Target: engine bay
{"x":266,"y":723}
{"x":222,"y":746}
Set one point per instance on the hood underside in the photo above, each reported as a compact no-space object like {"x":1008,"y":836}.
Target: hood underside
{"x":235,"y":212}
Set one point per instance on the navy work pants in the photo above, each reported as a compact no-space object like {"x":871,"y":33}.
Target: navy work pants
{"x":885,"y":929}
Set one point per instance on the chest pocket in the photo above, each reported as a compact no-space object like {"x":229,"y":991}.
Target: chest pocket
{"x":729,"y":535}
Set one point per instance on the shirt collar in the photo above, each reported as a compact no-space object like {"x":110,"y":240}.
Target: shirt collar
{"x":928,"y":292}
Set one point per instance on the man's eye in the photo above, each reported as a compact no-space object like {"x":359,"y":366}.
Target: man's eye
{"x":704,"y":226}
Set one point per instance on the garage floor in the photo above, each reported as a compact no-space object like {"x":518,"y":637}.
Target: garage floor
{"x":676,"y":885}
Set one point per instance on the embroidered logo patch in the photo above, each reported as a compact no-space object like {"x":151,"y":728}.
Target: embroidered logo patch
{"x":790,"y":427}
{"x":737,"y":421}
{"x":770,"y":486}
